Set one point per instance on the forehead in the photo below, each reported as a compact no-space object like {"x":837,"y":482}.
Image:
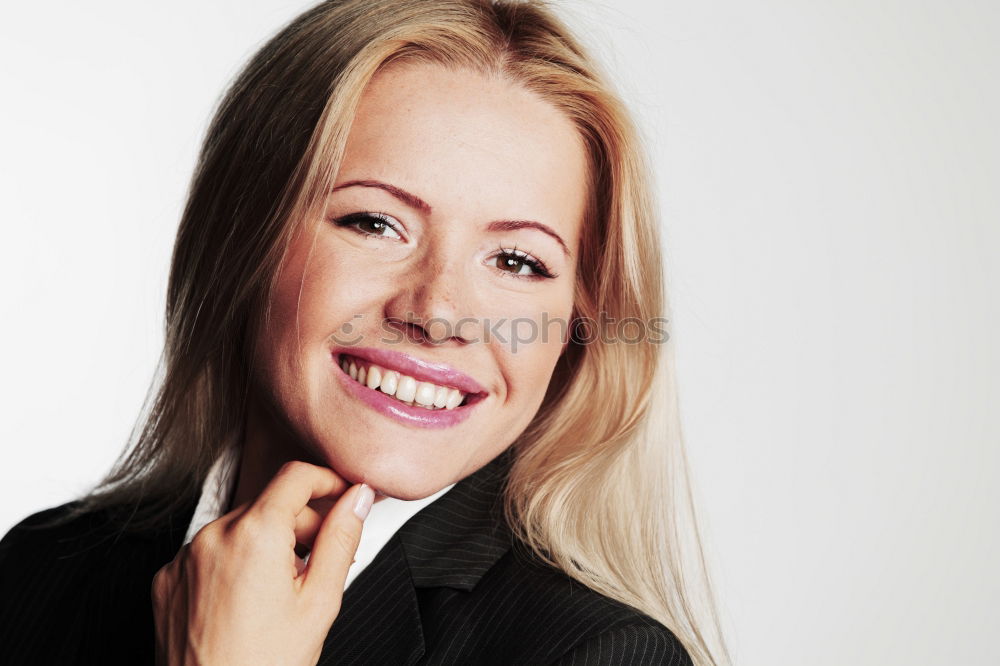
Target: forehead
{"x":470,"y":145}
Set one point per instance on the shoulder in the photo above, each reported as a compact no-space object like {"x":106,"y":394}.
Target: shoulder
{"x":45,"y":567}
{"x":74,"y":586}
{"x":530,"y":612}
{"x":628,"y":644}
{"x":51,"y":555}
{"x":55,"y":531}
{"x":600,"y":631}
{"x":77,"y":529}
{"x":62,"y":534}
{"x":73,"y":537}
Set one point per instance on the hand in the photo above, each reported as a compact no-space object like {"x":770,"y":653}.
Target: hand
{"x":239,"y":593}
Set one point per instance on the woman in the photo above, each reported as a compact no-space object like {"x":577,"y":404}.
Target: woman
{"x":405,"y":221}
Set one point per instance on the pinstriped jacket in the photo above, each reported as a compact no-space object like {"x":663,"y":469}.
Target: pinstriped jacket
{"x":452,"y":586}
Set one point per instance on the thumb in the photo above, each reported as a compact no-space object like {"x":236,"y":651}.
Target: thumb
{"x":337,"y":541}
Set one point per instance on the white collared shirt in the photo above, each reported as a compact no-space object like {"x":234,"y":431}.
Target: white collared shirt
{"x":386,"y":516}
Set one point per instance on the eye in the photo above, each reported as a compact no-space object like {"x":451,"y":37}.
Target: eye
{"x":519,"y":264}
{"x":377,"y":225}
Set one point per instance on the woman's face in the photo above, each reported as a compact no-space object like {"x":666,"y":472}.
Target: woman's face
{"x":423,"y":272}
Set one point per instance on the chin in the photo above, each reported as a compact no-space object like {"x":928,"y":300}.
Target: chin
{"x":404,"y":488}
{"x":393,"y":474}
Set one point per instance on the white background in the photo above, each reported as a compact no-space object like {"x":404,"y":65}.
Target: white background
{"x":828,"y":174}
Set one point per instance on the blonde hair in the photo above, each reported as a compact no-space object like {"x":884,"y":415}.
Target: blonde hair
{"x":599,"y":486}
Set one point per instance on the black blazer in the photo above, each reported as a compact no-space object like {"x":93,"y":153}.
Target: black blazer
{"x":452,"y":586}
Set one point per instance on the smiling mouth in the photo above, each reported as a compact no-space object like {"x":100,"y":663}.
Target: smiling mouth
{"x":404,"y":388}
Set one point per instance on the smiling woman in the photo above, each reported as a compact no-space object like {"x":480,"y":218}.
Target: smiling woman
{"x":407,"y":244}
{"x":357,"y":454}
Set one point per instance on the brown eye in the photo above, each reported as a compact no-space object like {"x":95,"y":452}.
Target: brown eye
{"x":511,"y":263}
{"x":521,"y":265}
{"x":371,"y":224}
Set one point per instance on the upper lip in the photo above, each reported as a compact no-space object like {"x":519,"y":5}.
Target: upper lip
{"x":427,"y":371}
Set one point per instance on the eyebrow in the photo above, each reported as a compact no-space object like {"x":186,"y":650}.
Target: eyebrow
{"x":513,"y":225}
{"x":413,"y":201}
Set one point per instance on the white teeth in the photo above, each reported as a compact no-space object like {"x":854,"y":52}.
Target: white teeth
{"x":454,"y":398}
{"x":404,"y":388}
{"x":407,"y":389}
{"x":389,"y":382}
{"x":374,"y":377}
{"x":425,"y":393}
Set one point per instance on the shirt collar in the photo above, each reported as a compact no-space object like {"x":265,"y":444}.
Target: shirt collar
{"x":450,"y":538}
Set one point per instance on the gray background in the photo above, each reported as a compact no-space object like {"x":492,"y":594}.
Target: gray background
{"x":827,"y":173}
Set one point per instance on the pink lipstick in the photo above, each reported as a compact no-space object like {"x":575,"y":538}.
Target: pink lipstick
{"x":423,"y":371}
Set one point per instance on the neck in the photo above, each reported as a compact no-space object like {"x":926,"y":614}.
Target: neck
{"x":268,"y":443}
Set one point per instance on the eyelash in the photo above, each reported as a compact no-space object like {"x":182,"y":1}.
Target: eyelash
{"x":542,"y":271}
{"x":354,"y":218}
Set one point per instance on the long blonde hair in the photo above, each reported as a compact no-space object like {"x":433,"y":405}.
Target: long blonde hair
{"x":599,"y":483}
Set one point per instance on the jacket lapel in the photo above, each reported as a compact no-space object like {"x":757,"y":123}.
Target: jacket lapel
{"x":451,"y":542}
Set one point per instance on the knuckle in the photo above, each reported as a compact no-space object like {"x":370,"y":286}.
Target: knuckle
{"x":159,"y":587}
{"x":294,"y":468}
{"x":346,"y":539}
{"x":163,"y":583}
{"x":204,"y":546}
{"x":203,"y":543}
{"x":249,"y":528}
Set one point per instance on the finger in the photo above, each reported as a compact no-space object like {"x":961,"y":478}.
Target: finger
{"x":310,"y":518}
{"x":337,"y":541}
{"x":307,"y":525}
{"x":294,"y":485}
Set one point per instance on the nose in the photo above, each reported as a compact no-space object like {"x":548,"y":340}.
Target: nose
{"x":434,"y":304}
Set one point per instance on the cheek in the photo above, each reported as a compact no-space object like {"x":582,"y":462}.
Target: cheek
{"x":533,"y":325}
{"x":322,"y":292}
{"x":531,"y":370}
{"x":303,"y":313}
{"x":534,"y":343}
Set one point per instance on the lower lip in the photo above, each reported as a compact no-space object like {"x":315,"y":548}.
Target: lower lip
{"x":405,"y":414}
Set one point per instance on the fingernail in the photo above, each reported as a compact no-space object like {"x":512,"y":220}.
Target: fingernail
{"x":363,"y":502}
